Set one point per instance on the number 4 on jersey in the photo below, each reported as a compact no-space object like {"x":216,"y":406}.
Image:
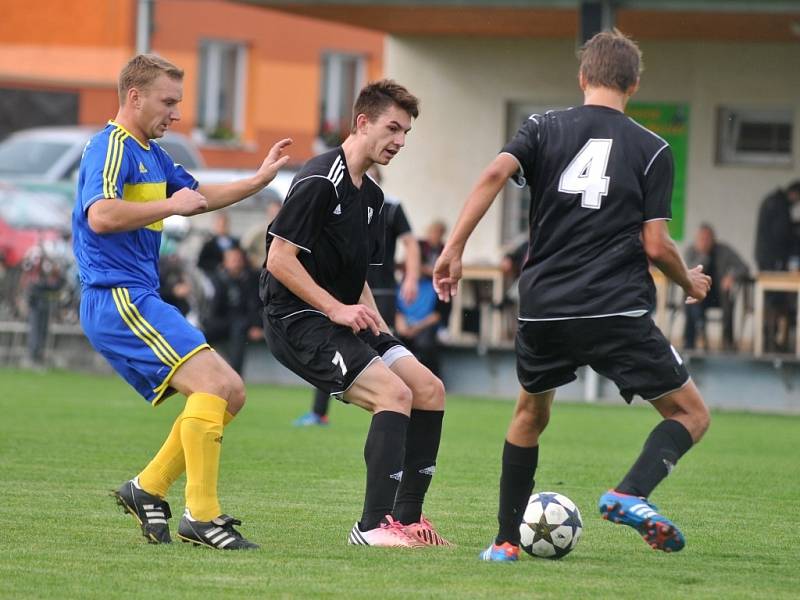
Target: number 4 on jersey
{"x":586,"y":174}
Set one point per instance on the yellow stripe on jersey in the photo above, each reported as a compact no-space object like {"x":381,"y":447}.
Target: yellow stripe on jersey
{"x":148,"y":327}
{"x":135,"y":327}
{"x":113,"y":162}
{"x":120,"y":135}
{"x":146,"y":192}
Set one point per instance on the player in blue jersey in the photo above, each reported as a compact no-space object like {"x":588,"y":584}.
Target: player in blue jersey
{"x":127,"y":186}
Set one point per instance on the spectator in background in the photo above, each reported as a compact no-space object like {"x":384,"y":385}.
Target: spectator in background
{"x":254,"y":241}
{"x":722,"y":264}
{"x":431,"y":246}
{"x":776,"y":245}
{"x":221,"y":240}
{"x":417,"y":324}
{"x":233,"y":319}
{"x":175,"y":287}
{"x":775,"y":239}
{"x":46,"y":279}
{"x":382,"y":280}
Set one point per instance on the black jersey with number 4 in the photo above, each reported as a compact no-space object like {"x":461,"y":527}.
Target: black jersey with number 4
{"x":338,"y":228}
{"x":595,"y":177}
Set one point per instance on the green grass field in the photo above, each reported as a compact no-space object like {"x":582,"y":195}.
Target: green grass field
{"x":66,"y":439}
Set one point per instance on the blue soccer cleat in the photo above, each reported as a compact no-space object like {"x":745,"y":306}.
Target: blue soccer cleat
{"x":311,"y":419}
{"x":656,"y":529}
{"x":505,"y":552}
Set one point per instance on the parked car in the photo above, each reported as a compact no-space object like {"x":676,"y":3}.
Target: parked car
{"x":34,"y":234}
{"x":50,"y":154}
{"x":50,"y":157}
{"x":29,"y":218}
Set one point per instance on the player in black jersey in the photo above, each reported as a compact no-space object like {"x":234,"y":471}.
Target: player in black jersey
{"x":382,"y":284}
{"x":320,"y":318}
{"x":600,"y":198}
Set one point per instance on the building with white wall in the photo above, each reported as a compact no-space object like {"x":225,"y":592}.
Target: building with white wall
{"x":723,"y":76}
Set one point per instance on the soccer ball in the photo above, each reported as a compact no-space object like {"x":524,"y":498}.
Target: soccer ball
{"x":551,"y":525}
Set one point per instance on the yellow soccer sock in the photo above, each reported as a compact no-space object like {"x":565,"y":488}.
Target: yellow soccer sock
{"x":166,"y":466}
{"x":201,"y":434}
{"x":228,"y":418}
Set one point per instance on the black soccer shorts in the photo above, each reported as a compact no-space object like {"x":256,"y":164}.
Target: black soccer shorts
{"x":328,"y":356}
{"x":630,"y":351}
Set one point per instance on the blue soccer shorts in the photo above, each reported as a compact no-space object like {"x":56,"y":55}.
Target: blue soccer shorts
{"x":143,"y":338}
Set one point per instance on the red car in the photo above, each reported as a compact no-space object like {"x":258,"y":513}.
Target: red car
{"x":29,"y":219}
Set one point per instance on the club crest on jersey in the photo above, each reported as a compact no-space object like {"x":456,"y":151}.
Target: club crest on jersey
{"x":338,"y":209}
{"x":369,"y":215}
{"x":142,"y":168}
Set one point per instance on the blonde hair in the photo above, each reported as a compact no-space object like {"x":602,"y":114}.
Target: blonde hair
{"x":142,"y":70}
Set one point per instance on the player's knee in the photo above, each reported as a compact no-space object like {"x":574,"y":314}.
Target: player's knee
{"x":235,"y":394}
{"x":398,"y":398}
{"x":430,"y":395}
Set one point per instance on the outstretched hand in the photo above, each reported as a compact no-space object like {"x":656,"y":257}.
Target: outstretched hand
{"x":700,"y":283}
{"x":446,"y":274}
{"x":274,"y":160}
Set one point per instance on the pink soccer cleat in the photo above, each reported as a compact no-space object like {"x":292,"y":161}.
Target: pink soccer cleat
{"x":425,"y":532}
{"x":388,"y":534}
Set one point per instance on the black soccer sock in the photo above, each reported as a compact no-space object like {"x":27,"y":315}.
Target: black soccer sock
{"x":422,"y":447}
{"x":383,"y":453}
{"x":516,"y":484}
{"x":668,"y":441}
{"x":321,"y":401}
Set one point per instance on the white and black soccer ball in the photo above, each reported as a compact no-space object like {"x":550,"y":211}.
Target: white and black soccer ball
{"x":551,"y":525}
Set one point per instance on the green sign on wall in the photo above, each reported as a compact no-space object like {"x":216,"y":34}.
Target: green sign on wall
{"x":671,"y":122}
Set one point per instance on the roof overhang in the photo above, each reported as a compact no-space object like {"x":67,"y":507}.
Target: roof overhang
{"x":738,"y":20}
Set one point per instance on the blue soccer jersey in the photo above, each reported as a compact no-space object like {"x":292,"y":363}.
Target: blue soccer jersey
{"x":117,"y":165}
{"x":145,"y":339}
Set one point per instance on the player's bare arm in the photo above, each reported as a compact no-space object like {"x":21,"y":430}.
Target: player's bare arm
{"x":447,"y":271}
{"x":112,"y":215}
{"x":283,"y":264}
{"x":664,"y":254}
{"x":220,"y":195}
{"x":410,"y":285}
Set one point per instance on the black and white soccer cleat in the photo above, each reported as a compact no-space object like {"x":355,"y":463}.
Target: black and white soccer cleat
{"x":217,"y":533}
{"x":150,"y":511}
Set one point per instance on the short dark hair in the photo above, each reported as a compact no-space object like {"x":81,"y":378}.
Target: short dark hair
{"x":611,"y":59}
{"x":793,"y":187}
{"x":144,"y":69}
{"x":379,"y":95}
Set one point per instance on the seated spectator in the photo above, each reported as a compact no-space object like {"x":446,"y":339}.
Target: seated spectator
{"x":777,"y":249}
{"x":417,"y":324}
{"x":727,"y":270}
{"x":431,"y":246}
{"x":234,"y":315}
